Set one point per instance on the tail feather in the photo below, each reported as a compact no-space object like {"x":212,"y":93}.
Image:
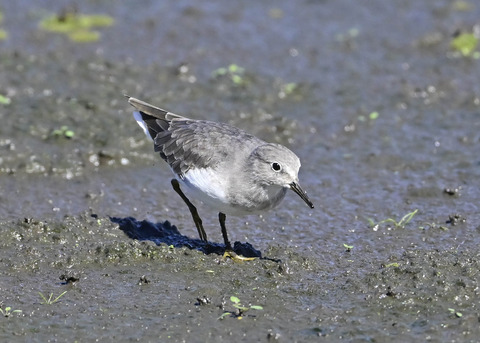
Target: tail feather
{"x":150,"y":118}
{"x":156,"y":124}
{"x":139,"y":118}
{"x":146,"y":108}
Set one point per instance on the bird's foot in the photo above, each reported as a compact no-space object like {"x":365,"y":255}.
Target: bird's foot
{"x":236,"y":257}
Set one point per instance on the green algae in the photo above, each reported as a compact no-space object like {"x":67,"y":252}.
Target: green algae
{"x":233,"y":72}
{"x":465,"y":43}
{"x":78,"y":27}
{"x":3,"y":33}
{"x":4,"y":100}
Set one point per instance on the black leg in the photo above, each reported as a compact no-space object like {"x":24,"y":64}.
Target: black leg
{"x":221,"y":218}
{"x":193,"y":210}
{"x":228,"y":247}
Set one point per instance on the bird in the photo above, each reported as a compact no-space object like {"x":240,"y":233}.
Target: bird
{"x":228,"y":169}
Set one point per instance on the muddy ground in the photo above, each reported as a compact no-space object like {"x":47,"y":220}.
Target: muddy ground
{"x":383,"y":111}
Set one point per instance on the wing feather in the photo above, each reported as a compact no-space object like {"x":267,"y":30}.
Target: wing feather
{"x":186,"y":143}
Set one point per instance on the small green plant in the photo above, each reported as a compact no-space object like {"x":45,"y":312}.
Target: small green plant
{"x":64,"y":131}
{"x":241,"y":309}
{"x":287,"y":89}
{"x":234,"y":72}
{"x":50,"y":300}
{"x":8,"y":311}
{"x":397,"y":224}
{"x":5,"y":100}
{"x":372,"y":116}
{"x":456,"y":313}
{"x":348,"y":247}
{"x":465,"y":43}
{"x":433,"y":225}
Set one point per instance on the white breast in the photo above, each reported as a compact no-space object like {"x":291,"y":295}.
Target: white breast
{"x":205,"y":185}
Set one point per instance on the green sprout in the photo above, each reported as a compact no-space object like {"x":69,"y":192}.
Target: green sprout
{"x":372,"y":116}
{"x":397,"y":224}
{"x":287,"y":89}
{"x":8,"y":311}
{"x":241,"y":309}
{"x":290,"y":87}
{"x":234,"y":72}
{"x":348,"y":247}
{"x":64,"y":131}
{"x":50,"y":300}
{"x":456,"y":313}
{"x":433,"y":225}
{"x":5,"y":100}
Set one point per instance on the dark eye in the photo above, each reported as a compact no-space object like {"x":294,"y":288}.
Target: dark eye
{"x":276,"y":166}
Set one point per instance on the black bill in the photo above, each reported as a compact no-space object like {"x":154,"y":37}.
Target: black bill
{"x":297,"y":189}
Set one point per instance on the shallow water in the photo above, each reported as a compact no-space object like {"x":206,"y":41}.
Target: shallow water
{"x":417,"y":281}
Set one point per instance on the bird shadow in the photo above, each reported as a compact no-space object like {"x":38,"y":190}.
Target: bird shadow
{"x":168,"y":234}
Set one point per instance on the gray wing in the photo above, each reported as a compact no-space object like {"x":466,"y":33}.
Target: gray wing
{"x":186,"y":143}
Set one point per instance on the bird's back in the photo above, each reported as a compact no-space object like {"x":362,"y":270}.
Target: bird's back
{"x":187,"y":143}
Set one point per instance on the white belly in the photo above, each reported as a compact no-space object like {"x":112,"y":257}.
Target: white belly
{"x":206,"y":186}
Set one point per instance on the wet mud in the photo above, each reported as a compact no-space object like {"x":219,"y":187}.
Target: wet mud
{"x":379,"y":104}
